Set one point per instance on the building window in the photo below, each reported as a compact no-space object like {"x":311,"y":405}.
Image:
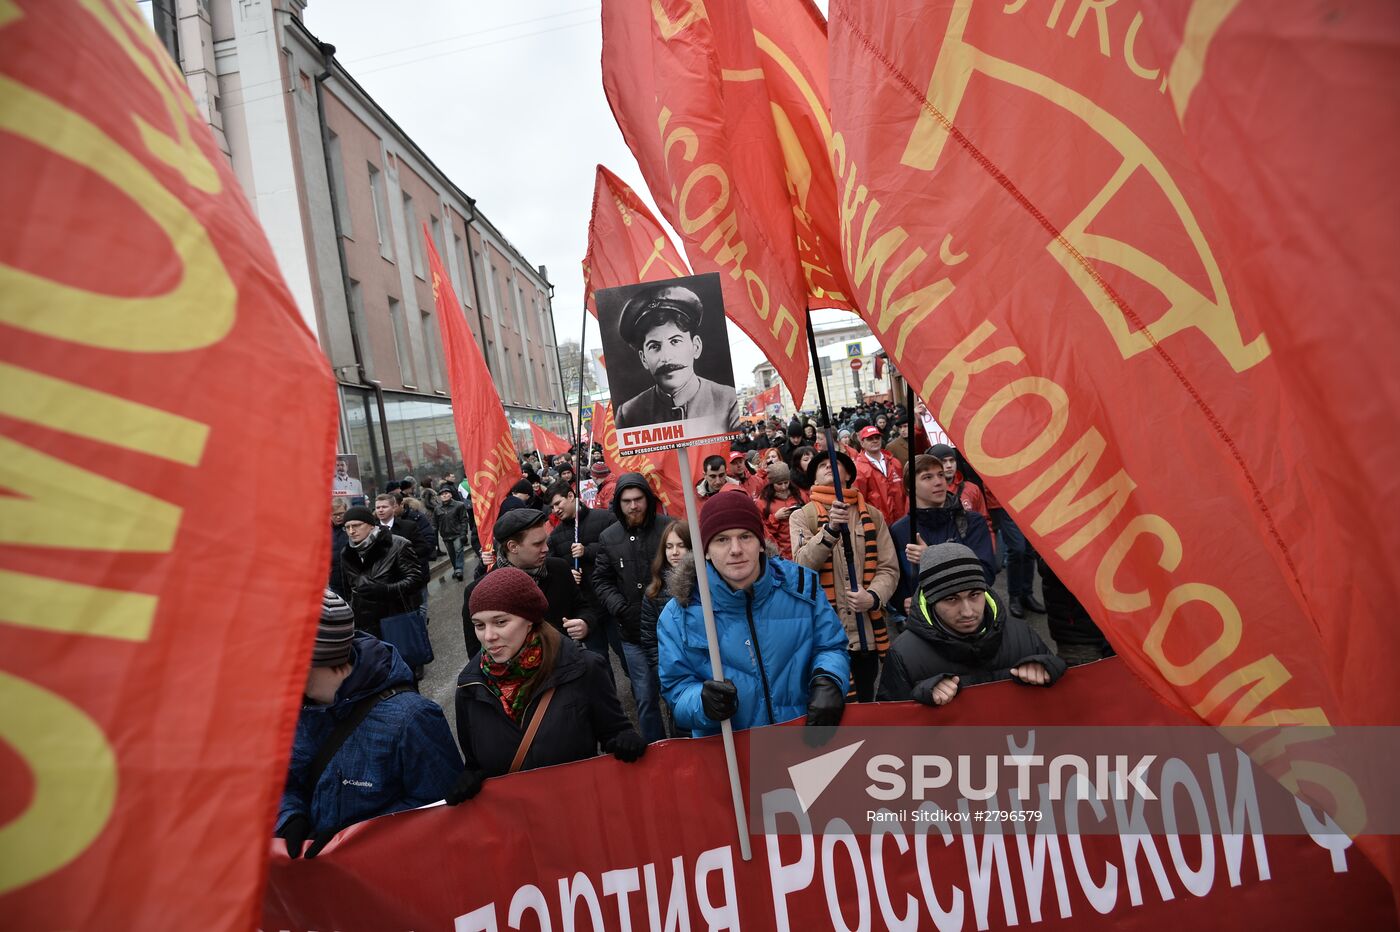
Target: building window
{"x":342,"y":200}
{"x":438,"y":244}
{"x":467,"y":272}
{"x":432,"y":339}
{"x":401,"y":345}
{"x":415,"y":241}
{"x":381,"y":213}
{"x":357,"y":320}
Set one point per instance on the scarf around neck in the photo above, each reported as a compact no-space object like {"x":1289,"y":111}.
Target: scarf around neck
{"x":868,"y":561}
{"x":537,"y":574}
{"x":370,"y":538}
{"x":507,"y":681}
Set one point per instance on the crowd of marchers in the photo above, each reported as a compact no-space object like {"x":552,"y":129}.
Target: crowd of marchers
{"x":840,"y":570}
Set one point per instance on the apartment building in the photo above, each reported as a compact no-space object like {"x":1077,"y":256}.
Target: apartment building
{"x":343,"y":193}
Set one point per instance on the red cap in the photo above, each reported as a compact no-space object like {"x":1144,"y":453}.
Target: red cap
{"x":736,"y":455}
{"x":725,"y":512}
{"x":871,"y":431}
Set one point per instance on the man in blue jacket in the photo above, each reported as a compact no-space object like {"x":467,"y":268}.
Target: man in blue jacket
{"x":782,"y":647}
{"x":400,"y":754}
{"x":942,"y":519}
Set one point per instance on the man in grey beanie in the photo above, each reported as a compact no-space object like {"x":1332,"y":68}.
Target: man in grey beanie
{"x":958,"y":636}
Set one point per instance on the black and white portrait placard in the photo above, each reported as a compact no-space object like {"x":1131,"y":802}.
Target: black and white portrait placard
{"x":666,"y":350}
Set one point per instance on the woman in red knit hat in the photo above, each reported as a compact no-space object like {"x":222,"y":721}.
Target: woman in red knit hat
{"x":530,"y":697}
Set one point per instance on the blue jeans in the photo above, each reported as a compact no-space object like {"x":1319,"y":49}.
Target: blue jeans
{"x":646,"y":689}
{"x":455,"y":551}
{"x":1020,"y":557}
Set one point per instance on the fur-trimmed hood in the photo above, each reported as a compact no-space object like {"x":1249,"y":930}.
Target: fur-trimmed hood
{"x":681,"y":584}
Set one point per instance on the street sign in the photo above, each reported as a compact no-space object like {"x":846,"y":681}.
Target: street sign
{"x":853,"y":349}
{"x":856,"y":364}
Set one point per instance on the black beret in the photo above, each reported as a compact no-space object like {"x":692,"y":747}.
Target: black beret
{"x":675,"y":300}
{"x":517,"y":520}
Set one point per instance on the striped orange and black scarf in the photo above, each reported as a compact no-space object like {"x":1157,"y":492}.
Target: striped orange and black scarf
{"x":822,"y":497}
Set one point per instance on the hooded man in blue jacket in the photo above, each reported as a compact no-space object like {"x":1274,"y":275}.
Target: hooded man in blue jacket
{"x":782,"y":647}
{"x":399,"y":756}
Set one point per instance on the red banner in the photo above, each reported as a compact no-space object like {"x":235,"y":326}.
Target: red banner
{"x":488,"y":453}
{"x":681,"y":81}
{"x":162,"y":402}
{"x":790,"y":37}
{"x":767,"y":398}
{"x":625,"y":242}
{"x":547,"y":442}
{"x":1140,"y":180}
{"x":656,"y":840}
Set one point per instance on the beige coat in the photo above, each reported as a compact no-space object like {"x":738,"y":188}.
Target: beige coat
{"x":810,"y":550}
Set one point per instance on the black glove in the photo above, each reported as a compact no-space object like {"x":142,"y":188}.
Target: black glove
{"x":825,"y":702}
{"x":626,"y":746}
{"x":467,"y":786}
{"x":719,"y":699}
{"x":370,"y":589}
{"x":318,"y":843}
{"x":295,"y":831}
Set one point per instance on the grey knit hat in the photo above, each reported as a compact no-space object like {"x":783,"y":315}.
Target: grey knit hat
{"x":949,"y":568}
{"x":334,"y":633}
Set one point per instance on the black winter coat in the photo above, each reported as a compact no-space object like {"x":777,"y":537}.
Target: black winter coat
{"x":451,"y":520}
{"x":414,"y":527}
{"x":591,"y":528}
{"x":583,"y":714}
{"x":1069,"y":621}
{"x":339,"y":541}
{"x":927,"y":652}
{"x":652,"y":606}
{"x":624,"y":561}
{"x":390,"y":562}
{"x":564,"y":597}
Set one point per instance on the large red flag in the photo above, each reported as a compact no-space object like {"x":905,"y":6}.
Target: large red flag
{"x":547,"y":442}
{"x":162,"y":403}
{"x":488,"y":453}
{"x":676,"y":77}
{"x":1142,"y":264}
{"x":790,"y":36}
{"x":625,"y":241}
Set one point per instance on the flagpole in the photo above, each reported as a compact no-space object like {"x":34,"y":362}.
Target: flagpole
{"x":830,"y":435}
{"x":909,"y":459}
{"x":578,"y":434}
{"x":692,"y":510}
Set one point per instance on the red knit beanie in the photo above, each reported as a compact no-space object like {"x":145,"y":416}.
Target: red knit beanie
{"x":507,"y":589}
{"x":726,"y":511}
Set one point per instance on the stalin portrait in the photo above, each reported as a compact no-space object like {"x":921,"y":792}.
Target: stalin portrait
{"x":662,"y":326}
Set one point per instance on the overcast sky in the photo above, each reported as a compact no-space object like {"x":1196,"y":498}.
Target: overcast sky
{"x":508,"y":100}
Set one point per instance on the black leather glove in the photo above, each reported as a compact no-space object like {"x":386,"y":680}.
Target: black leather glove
{"x":295,"y":831}
{"x":719,"y":699}
{"x":318,"y":843}
{"x":370,"y":589}
{"x":467,"y":786}
{"x":825,"y":702}
{"x":626,"y":746}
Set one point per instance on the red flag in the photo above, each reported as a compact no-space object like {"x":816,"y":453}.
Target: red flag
{"x":1099,"y":246}
{"x":161,"y":397}
{"x":703,"y":137}
{"x":767,"y":398}
{"x":790,"y":37}
{"x":547,"y":442}
{"x":488,"y":453}
{"x":625,"y":242}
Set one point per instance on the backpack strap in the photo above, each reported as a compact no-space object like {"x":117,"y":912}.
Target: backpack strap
{"x":534,"y":726}
{"x":343,"y":729}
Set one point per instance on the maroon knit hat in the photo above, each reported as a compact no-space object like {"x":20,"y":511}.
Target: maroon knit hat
{"x":507,"y":589}
{"x":726,"y":511}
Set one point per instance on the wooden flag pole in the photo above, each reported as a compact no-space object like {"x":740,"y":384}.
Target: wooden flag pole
{"x":692,"y":510}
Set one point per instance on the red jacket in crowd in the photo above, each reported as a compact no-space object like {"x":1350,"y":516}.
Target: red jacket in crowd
{"x":883,"y":490}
